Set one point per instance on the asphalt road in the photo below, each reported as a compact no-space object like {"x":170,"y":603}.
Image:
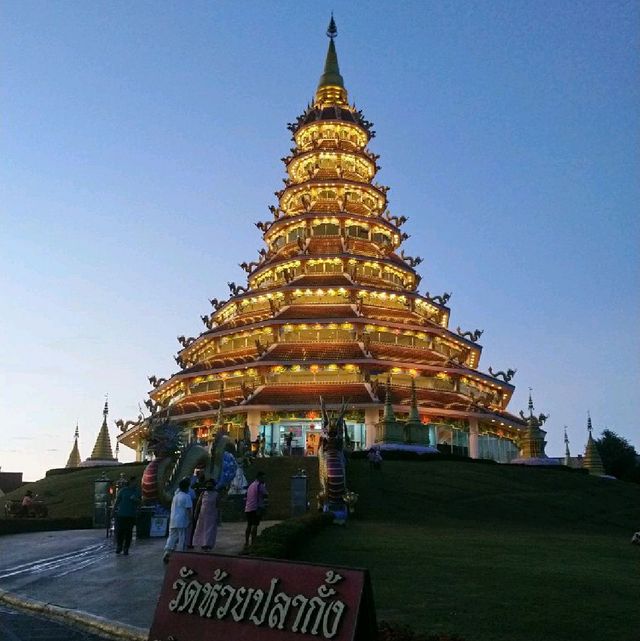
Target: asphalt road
{"x":18,"y":626}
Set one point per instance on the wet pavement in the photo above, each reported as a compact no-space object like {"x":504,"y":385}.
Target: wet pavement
{"x":79,"y":570}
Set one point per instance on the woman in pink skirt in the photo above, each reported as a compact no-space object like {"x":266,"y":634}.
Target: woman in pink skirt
{"x":207,"y":518}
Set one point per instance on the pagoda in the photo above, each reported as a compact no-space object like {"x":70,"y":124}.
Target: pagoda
{"x":331,"y":307}
{"x":102,"y":454}
{"x":74,"y":459}
{"x":592,"y":460}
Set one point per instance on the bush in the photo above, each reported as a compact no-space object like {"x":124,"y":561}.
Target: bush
{"x":278,"y":541}
{"x":20,"y":526}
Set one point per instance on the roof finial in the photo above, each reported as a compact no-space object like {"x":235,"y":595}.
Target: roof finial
{"x":105,"y":411}
{"x":76,"y":436}
{"x":332,"y":31}
{"x":589,"y":426}
{"x":530,"y":402}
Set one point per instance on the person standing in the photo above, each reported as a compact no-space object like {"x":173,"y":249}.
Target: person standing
{"x":179,"y":520}
{"x":125,"y":508}
{"x":254,"y":507}
{"x":27,"y":503}
{"x":206,"y":517}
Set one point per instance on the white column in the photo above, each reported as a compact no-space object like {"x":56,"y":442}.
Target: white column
{"x":371,"y":417}
{"x":253,"y":421}
{"x":474,"y":450}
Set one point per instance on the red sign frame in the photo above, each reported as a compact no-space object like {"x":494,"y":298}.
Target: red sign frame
{"x":214,"y":596}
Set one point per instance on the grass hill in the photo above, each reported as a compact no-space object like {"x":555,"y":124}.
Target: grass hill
{"x":492,"y":552}
{"x":487,"y":552}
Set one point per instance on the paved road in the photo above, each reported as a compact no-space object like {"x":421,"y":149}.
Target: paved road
{"x":18,"y":626}
{"x":78,"y":570}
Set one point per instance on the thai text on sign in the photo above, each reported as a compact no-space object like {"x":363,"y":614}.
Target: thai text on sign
{"x":244,"y":599}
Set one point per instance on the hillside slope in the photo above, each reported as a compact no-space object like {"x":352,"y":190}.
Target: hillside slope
{"x":493,"y":553}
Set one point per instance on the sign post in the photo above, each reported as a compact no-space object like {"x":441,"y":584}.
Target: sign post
{"x":211,"y":596}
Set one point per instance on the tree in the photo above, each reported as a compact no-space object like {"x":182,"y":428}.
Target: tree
{"x":618,"y":456}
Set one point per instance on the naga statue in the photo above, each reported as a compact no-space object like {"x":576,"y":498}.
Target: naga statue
{"x":540,"y":419}
{"x":156,"y":382}
{"x":410,"y":260}
{"x":440,"y":300}
{"x":248,"y":267}
{"x":123,"y":426}
{"x":332,"y":462}
{"x":472,"y":336}
{"x":174,"y":459}
{"x":264,"y":226}
{"x":185,"y":342}
{"x":505,"y":376}
{"x":237,"y":290}
{"x":208,"y":321}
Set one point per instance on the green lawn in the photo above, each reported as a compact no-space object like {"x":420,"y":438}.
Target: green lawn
{"x":493,"y":553}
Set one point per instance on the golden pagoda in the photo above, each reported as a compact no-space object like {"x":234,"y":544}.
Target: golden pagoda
{"x":102,"y":453}
{"x":592,"y":460}
{"x":331,"y":308}
{"x":74,"y":459}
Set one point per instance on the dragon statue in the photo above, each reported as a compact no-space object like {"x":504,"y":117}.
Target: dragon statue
{"x":174,"y":459}
{"x":331,"y":463}
{"x":441,"y":300}
{"x":505,"y":376}
{"x":155,"y":381}
{"x":472,"y":336}
{"x":185,"y":342}
{"x":236,"y":290}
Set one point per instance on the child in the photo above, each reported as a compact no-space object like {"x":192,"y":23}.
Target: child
{"x":180,"y":519}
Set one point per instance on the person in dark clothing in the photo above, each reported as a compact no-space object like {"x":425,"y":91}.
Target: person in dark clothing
{"x":125,"y":509}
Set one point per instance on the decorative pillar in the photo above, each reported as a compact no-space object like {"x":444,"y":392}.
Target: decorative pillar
{"x":371,"y":418}
{"x":474,"y":450}
{"x":253,"y":421}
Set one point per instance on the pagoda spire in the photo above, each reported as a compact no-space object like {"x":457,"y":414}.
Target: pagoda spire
{"x":102,"y":449}
{"x":331,"y":90}
{"x":567,"y":454}
{"x":74,"y":458}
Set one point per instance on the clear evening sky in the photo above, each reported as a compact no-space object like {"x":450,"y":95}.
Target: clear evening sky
{"x":141,"y":141}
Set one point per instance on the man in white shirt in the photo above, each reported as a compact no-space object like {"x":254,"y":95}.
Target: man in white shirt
{"x":181,"y":508}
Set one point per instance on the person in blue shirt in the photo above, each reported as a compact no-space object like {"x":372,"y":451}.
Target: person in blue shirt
{"x":125,"y":509}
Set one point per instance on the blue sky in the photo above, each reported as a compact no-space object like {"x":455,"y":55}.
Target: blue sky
{"x":140,"y":142}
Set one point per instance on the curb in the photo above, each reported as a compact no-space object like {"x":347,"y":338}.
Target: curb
{"x":76,"y":618}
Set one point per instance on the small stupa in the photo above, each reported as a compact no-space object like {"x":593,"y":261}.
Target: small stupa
{"x":74,"y":458}
{"x":102,"y":453}
{"x":592,"y":460}
{"x":532,"y":442}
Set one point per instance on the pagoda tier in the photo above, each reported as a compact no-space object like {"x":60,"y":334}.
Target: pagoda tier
{"x":331,"y":305}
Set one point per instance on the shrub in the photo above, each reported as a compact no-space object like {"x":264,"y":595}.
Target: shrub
{"x":279,"y":541}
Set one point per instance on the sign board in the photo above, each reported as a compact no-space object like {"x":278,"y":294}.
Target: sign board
{"x":211,"y":596}
{"x":159,"y":526}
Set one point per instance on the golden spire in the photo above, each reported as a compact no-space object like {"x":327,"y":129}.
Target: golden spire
{"x":102,"y":449}
{"x":331,"y":89}
{"x":74,"y":458}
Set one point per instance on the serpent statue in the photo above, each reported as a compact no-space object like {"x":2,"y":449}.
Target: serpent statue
{"x":331,"y":463}
{"x":174,"y":460}
{"x":505,"y":376}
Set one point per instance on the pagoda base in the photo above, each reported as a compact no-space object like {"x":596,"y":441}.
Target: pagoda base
{"x":99,"y":463}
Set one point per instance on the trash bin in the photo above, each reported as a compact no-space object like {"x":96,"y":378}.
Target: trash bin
{"x":143,"y":522}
